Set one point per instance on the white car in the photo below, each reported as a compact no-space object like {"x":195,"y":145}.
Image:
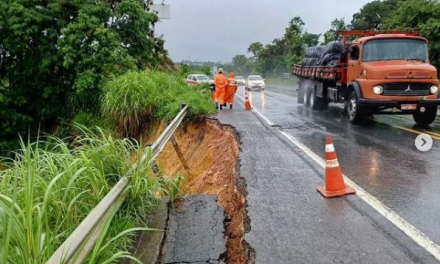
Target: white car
{"x":197,"y":79}
{"x":240,"y":80}
{"x":255,"y":82}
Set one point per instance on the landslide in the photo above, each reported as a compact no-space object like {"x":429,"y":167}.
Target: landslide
{"x":211,"y":152}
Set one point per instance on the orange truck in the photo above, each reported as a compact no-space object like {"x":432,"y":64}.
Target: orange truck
{"x":380,"y":72}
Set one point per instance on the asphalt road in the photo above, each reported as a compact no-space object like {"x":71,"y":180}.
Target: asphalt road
{"x":379,"y":155}
{"x":288,"y":221}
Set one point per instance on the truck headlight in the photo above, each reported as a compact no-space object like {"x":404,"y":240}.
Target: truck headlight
{"x":434,"y":89}
{"x":377,"y":89}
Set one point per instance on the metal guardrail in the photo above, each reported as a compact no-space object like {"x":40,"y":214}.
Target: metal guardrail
{"x":82,"y":240}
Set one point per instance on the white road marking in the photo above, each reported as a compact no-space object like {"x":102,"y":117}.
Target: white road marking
{"x":416,"y":235}
{"x":258,"y":113}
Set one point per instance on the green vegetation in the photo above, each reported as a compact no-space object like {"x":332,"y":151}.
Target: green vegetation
{"x":419,"y":15}
{"x":186,"y":69}
{"x":281,"y":81}
{"x":55,"y":56}
{"x":50,"y":188}
{"x":135,"y":99}
{"x":272,"y":59}
{"x":72,"y":68}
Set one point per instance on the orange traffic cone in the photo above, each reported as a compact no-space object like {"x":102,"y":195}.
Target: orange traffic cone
{"x":247,"y":104}
{"x":334,"y":182}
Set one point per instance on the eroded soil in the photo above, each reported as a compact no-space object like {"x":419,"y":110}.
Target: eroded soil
{"x":211,"y":152}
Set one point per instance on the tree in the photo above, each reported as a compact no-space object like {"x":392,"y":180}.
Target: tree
{"x":372,"y":15}
{"x":206,"y":70}
{"x":255,"y":48}
{"x":421,"y":15}
{"x":55,"y":55}
{"x":294,"y":41}
{"x":278,"y":56}
{"x":336,"y":25}
{"x":311,"y":39}
{"x":241,"y":64}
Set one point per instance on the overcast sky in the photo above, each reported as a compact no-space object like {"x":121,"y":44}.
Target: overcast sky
{"x":217,"y":30}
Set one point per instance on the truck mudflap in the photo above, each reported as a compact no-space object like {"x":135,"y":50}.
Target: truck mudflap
{"x":369,"y":102}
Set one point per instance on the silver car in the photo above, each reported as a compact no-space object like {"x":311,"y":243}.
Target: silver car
{"x":240,"y":80}
{"x":255,"y":82}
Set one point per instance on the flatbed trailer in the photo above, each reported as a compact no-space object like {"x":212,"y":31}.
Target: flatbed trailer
{"x":381,"y":70}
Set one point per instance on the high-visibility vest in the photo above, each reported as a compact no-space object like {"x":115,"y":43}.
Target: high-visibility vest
{"x":232,"y":82}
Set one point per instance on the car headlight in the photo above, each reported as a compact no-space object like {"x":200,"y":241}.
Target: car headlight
{"x":377,"y":89}
{"x":434,"y":89}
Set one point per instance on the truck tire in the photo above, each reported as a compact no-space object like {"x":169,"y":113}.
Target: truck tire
{"x":425,"y":118}
{"x":317,"y":103}
{"x":306,"y":96}
{"x":354,"y":112}
{"x":300,"y":97}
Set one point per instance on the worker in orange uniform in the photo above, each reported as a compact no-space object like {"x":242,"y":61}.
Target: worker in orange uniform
{"x":231,"y":89}
{"x":220,"y":82}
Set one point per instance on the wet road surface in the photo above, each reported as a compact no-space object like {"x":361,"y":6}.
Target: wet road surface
{"x":288,"y":221}
{"x":379,"y":155}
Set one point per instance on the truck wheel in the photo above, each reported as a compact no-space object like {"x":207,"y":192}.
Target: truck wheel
{"x":353,"y":110}
{"x":300,"y":97}
{"x":317,"y":103}
{"x":306,"y":96}
{"x":424,"y":116}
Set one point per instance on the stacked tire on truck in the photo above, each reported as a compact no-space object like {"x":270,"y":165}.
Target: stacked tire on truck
{"x":329,"y":56}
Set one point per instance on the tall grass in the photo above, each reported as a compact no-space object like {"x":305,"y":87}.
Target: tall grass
{"x":49,"y":188}
{"x":135,"y":99}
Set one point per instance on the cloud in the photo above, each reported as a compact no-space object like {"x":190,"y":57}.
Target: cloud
{"x":217,"y":30}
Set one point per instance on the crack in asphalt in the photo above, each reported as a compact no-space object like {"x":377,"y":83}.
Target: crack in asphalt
{"x":159,"y":259}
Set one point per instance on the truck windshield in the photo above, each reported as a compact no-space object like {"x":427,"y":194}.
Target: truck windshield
{"x":395,"y":49}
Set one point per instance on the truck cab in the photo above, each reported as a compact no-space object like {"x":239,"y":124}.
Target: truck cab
{"x":392,"y":71}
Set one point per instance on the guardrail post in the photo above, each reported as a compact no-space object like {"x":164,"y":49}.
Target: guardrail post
{"x":178,"y":151}
{"x":154,"y":165}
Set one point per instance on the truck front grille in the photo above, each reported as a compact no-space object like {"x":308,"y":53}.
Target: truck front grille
{"x":406,"y":89}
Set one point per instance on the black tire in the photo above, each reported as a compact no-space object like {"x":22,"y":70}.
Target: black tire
{"x":354,"y":112}
{"x":317,"y":103}
{"x":425,"y":118}
{"x":300,"y":97}
{"x":230,"y":106}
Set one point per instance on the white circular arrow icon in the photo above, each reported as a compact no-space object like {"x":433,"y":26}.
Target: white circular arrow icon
{"x":424,"y":142}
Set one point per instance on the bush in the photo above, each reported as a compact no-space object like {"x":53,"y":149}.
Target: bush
{"x":89,"y":120}
{"x":136,"y":98}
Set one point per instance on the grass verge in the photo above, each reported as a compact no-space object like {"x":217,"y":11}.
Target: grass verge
{"x":134,"y":100}
{"x":49,"y":188}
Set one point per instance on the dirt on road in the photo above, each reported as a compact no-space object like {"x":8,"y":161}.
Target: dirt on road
{"x":211,"y":152}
